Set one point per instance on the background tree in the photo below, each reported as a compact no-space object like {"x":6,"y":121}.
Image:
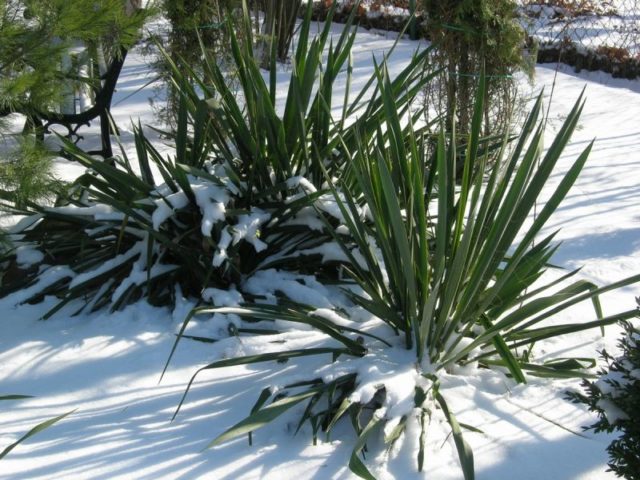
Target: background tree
{"x":49,"y":51}
{"x":36,"y":35}
{"x":190,"y":23}
{"x":468,"y":35}
{"x":278,"y":27}
{"x":205,"y":21}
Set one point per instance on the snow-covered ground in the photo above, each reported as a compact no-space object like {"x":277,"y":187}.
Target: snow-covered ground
{"x":588,"y":24}
{"x":614,"y":23}
{"x":105,"y":367}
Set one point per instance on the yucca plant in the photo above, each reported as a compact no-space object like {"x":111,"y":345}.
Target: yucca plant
{"x":117,"y":235}
{"x":454,"y":270}
{"x":247,"y":131}
{"x":439,"y":267}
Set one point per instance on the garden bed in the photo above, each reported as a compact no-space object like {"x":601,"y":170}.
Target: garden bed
{"x":543,"y":24}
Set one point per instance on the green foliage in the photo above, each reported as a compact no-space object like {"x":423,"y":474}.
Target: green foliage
{"x":123,"y":237}
{"x":470,"y":35}
{"x":36,"y":34}
{"x":468,"y":272}
{"x":438,"y":265}
{"x":36,"y":38}
{"x":437,"y":262}
{"x":192,"y":23}
{"x":241,"y":164}
{"x":25,"y":175}
{"x":199,"y":36}
{"x":35,"y":430}
{"x":615,"y":397}
{"x":279,"y":26}
{"x":271,"y":148}
{"x":488,"y":28}
{"x":441,"y":266}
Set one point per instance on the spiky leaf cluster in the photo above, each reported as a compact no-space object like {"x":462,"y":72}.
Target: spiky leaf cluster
{"x":437,"y":269}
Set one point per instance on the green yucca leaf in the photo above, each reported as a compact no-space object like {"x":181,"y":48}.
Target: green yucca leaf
{"x":471,"y":428}
{"x":124,"y":183}
{"x":396,"y":432}
{"x":529,"y":336}
{"x":307,"y":415}
{"x":470,"y":163}
{"x":505,"y":353}
{"x":14,"y":397}
{"x":422,"y":439}
{"x":552,"y":203}
{"x":281,"y":312}
{"x":465,"y":454}
{"x":262,"y":417}
{"x":262,"y":399}
{"x":197,"y":338}
{"x":539,"y":304}
{"x":264,"y":357}
{"x":573,"y":363}
{"x":589,"y":294}
{"x":179,"y":335}
{"x":181,"y":134}
{"x":444,"y":194}
{"x":35,"y":430}
{"x":399,"y":244}
{"x":342,"y":409}
{"x":355,"y":464}
{"x":531,"y":267}
{"x":143,"y":156}
{"x":532,"y":293}
{"x":562,"y":368}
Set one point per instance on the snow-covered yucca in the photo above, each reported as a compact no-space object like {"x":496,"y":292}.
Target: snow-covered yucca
{"x":198,"y":219}
{"x":356,"y":247}
{"x":438,"y":270}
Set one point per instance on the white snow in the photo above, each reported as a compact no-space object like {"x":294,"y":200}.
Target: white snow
{"x":223,"y":244}
{"x":138,"y":249}
{"x":304,"y":289}
{"x":26,"y":256}
{"x":212,"y":201}
{"x":140,"y":274}
{"x":166,"y":207}
{"x":222,"y":298}
{"x":330,"y":252}
{"x":248,"y":228}
{"x":611,"y":411}
{"x":99,"y":212}
{"x":48,"y":277}
{"x":613,"y":23}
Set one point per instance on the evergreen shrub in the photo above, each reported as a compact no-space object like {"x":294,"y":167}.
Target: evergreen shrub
{"x":469,"y":36}
{"x":615,"y":398}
